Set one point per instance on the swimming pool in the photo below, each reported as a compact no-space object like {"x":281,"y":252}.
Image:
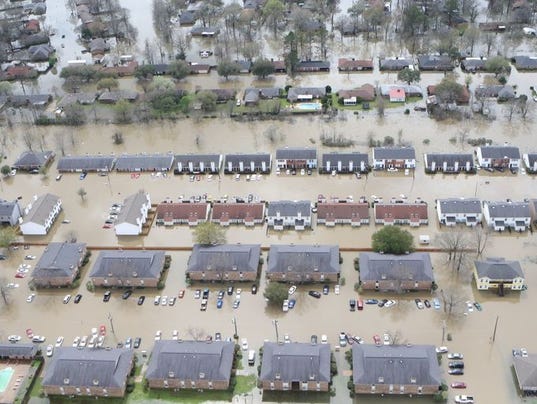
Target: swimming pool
{"x":5,"y":377}
{"x":309,"y":106}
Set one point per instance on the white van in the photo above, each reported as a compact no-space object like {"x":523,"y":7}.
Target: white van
{"x":251,"y":357}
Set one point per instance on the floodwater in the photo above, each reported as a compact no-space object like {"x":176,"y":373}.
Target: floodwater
{"x":488,"y":364}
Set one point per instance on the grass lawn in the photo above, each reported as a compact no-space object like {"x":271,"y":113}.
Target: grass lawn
{"x":36,"y":388}
{"x":245,"y":384}
{"x":186,"y":396}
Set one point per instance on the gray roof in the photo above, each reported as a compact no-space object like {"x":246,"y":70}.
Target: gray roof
{"x":294,"y":153}
{"x":191,"y":360}
{"x":59,"y":259}
{"x":30,"y":159}
{"x":460,"y":205}
{"x":473,"y":63}
{"x":450,"y":158}
{"x":289,"y":208}
{"x":12,"y":350}
{"x":41,"y":209}
{"x":396,"y":364}
{"x":116,"y":95}
{"x":525,"y":62}
{"x":313,"y":64}
{"x":7,"y":207}
{"x":144,"y":162}
{"x":410,"y":89}
{"x":345,"y":158}
{"x":132,"y":208}
{"x":498,"y":268}
{"x":415,"y":266}
{"x":508,"y":209}
{"x":526,"y":372}
{"x":89,"y":367}
{"x":388,"y":153}
{"x":499,"y":152}
{"x":86,"y":163}
{"x":240,"y":257}
{"x":294,"y":92}
{"x":532,"y":159}
{"x":295,"y":362}
{"x":435,"y":62}
{"x":303,"y":258}
{"x":128,"y":264}
{"x":197,"y":159}
{"x":254,"y":94}
{"x":395,"y":64}
{"x":247,"y":159}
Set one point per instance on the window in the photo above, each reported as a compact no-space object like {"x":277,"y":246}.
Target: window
{"x":211,"y":385}
{"x":304,"y":386}
{"x":373,"y":388}
{"x":272,"y":385}
{"x":285,"y":385}
{"x":391,"y":388}
{"x":420,"y":389}
{"x":318,"y":386}
{"x":193,"y":384}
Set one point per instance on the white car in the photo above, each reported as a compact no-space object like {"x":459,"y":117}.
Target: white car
{"x":285,"y":306}
{"x":324,"y":339}
{"x":30,"y":298}
{"x":66,"y":299}
{"x":157,"y":300}
{"x":464,"y":399}
{"x":336,"y":289}
{"x":158,"y":335}
{"x":441,"y":349}
{"x":470,"y":306}
{"x":524,"y":352}
{"x":389,"y":303}
{"x":455,"y":355}
{"x":50,"y":350}
{"x":386,"y":339}
{"x":238,"y":292}
{"x":164,"y":300}
{"x":76,"y":342}
{"x":175,"y":335}
{"x":30,"y":257}
{"x":59,"y":341}
{"x":292,"y":289}
{"x":342,"y":339}
{"x":83,"y":342}
{"x":244,"y":344}
{"x":529,"y":31}
{"x":38,"y":339}
{"x":14,"y":338}
{"x":287,"y":339}
{"x":100,"y":341}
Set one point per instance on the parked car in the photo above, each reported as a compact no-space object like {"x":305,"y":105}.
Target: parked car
{"x":342,"y":338}
{"x":217,"y":336}
{"x":236,"y":304}
{"x":181,"y":293}
{"x":156,"y":302}
{"x":427,"y":303}
{"x":158,"y":335}
{"x":229,"y":290}
{"x":390,"y":303}
{"x":285,"y":306}
{"x":30,"y":297}
{"x":315,"y":294}
{"x":464,"y":399}
{"x":292,"y":303}
{"x":326,"y":289}
{"x":292,"y":290}
{"x":441,"y":349}
{"x":66,"y":299}
{"x":38,"y":339}
{"x":128,"y":343}
{"x":436,"y":303}
{"x":458,"y":385}
{"x":14,"y":338}
{"x":371,"y":301}
{"x":59,"y":341}
{"x":478,"y":306}
{"x":524,"y":352}
{"x":360,"y":304}
{"x":313,"y":339}
{"x":386,"y":339}
{"x":219,"y":303}
{"x":102,"y":330}
{"x":352,"y":304}
{"x":30,"y":257}
{"x":197,"y":294}
{"x":164,"y":300}
{"x":106,"y":296}
{"x":126,"y":294}
{"x":254,"y":289}
{"x":336,"y":289}
{"x":171,"y":301}
{"x":456,"y":372}
{"x":137,"y":342}
{"x":244,"y":344}
{"x":141,"y":300}
{"x":83,"y":341}
{"x":376,"y":340}
{"x":419,"y":304}
{"x":76,"y":342}
{"x":50,"y":350}
{"x":324,"y":339}
{"x":456,"y":365}
{"x":455,"y":355}
{"x":78,"y":298}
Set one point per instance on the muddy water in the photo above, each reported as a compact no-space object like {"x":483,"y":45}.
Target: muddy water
{"x":328,"y":315}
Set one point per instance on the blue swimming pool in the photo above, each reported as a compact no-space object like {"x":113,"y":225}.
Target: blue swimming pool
{"x":309,"y":106}
{"x":5,"y":377}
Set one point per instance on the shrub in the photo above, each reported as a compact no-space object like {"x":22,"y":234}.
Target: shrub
{"x":90,"y":286}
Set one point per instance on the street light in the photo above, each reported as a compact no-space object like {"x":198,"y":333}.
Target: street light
{"x":275,"y":322}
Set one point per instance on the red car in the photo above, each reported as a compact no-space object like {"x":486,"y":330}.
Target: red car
{"x":458,"y":385}
{"x":376,"y":338}
{"x":181,"y":293}
{"x":29,"y":333}
{"x":102,"y":330}
{"x":19,"y":275}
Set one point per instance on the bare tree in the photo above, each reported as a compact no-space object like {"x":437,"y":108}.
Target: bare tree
{"x":481,"y":238}
{"x":457,"y":245}
{"x":453,"y":301}
{"x":5,"y":291}
{"x":82,"y":193}
{"x":60,"y":142}
{"x":29,"y":139}
{"x":196,"y":333}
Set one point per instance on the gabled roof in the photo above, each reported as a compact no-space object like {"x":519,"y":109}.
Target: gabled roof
{"x":240,"y":257}
{"x":182,"y":211}
{"x":414,"y":266}
{"x":313,"y":64}
{"x":532,"y":159}
{"x":473,"y":64}
{"x":238,"y":211}
{"x":303,"y":258}
{"x":395,"y":364}
{"x":508,"y":209}
{"x":191,"y":360}
{"x":19,"y":349}
{"x":128,"y":264}
{"x":393,"y":211}
{"x":132,"y":207}
{"x":435,"y":62}
{"x":500,"y":152}
{"x":117,"y":95}
{"x":460,"y":205}
{"x":59,"y":260}
{"x":41,"y":208}
{"x":254,"y":94}
{"x":345,"y":64}
{"x":7,"y":207}
{"x":525,"y":62}
{"x":89,"y":367}
{"x":348,"y":210}
{"x":256,"y":159}
{"x":144,"y":162}
{"x":289,"y":208}
{"x":395,"y":63}
{"x":295,"y":92}
{"x":184,"y":160}
{"x":30,"y":159}
{"x":86,"y":163}
{"x":450,"y":158}
{"x":40,"y":52}
{"x":526,"y":372}
{"x":365,"y":92}
{"x":295,"y":362}
{"x":498,"y":268}
{"x":296,"y":153}
{"x":345,"y":158}
{"x":398,"y":153}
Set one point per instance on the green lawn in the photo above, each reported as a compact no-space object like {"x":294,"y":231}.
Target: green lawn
{"x":186,"y":396}
{"x":245,"y":384}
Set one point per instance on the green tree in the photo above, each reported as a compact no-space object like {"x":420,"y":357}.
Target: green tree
{"x":449,"y":91}
{"x":179,"y":69}
{"x":291,"y":53}
{"x":273,"y":15}
{"x":108,"y":83}
{"x":144,"y":72}
{"x":5,"y":170}
{"x":276,"y":293}
{"x":262,"y":68}
{"x":7,"y":236}
{"x":409,"y":75}
{"x":498,"y":65}
{"x":227,"y":68}
{"x":392,"y":240}
{"x":209,"y":233}
{"x":123,"y":110}
{"x":413,"y":20}
{"x":207,"y":99}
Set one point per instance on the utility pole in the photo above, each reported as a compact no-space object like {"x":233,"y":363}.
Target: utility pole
{"x":111,"y":324}
{"x":443,"y":330}
{"x":234,"y":321}
{"x":275,"y":322}
{"x":495,"y":328}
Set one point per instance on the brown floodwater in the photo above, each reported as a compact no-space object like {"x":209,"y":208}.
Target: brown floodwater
{"x":488,"y":365}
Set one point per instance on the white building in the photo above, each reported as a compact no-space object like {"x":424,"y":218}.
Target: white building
{"x":289,"y":214}
{"x":504,"y":215}
{"x":459,"y":210}
{"x":507,"y":157}
{"x":40,"y":215}
{"x":133,"y":215}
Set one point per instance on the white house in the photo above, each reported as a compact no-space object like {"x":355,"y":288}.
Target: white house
{"x":505,"y":215}
{"x":40,"y":215}
{"x":285,"y":214}
{"x":296,"y":158}
{"x":498,"y":157}
{"x":498,"y":273}
{"x":530,"y":160}
{"x":10,"y":212}
{"x":393,"y":158}
{"x":133,"y":215}
{"x":459,"y":210}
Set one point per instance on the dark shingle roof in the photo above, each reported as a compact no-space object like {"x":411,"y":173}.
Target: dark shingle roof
{"x":30,"y":159}
{"x":460,"y":205}
{"x":435,"y":62}
{"x":499,"y":152}
{"x":292,"y":153}
{"x":289,"y":208}
{"x":86,"y":163}
{"x":295,"y":362}
{"x":345,"y":159}
{"x":508,"y":209}
{"x":395,"y":64}
{"x":450,"y":158}
{"x":197,"y":160}
{"x":187,"y":360}
{"x":415,"y":266}
{"x":526,"y":372}
{"x":294,"y":92}
{"x":498,"y":268}
{"x":13,"y":350}
{"x":242,"y":257}
{"x":388,"y":153}
{"x":303,"y":258}
{"x":59,"y":259}
{"x":128,"y":263}
{"x":144,"y":162}
{"x":252,"y":161}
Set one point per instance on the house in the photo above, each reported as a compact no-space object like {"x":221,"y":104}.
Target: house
{"x":525,"y":62}
{"x":133,"y":214}
{"x":128,"y":268}
{"x":40,"y":53}
{"x":295,"y":367}
{"x":197,"y":163}
{"x":530,"y":161}
{"x":507,"y":215}
{"x":289,"y":214}
{"x":31,"y":27}
{"x":188,"y":17}
{"x":312,"y":66}
{"x":410,"y":90}
{"x":463,"y":98}
{"x":144,"y":162}
{"x":206,"y":32}
{"x":98,"y":47}
{"x":10,"y":212}
{"x":248,"y":163}
{"x":245,"y":66}
{"x":248,"y":214}
{"x":78,"y":98}
{"x":533,"y":210}
{"x":354,"y":65}
{"x":504,"y":157}
{"x":95,"y":163}
{"x":224,"y":262}
{"x":498,"y":273}
{"x":366,"y":92}
{"x":169,"y":213}
{"x":493,"y":26}
{"x":501,"y":92}
{"x":401,"y":212}
{"x":279,"y":66}
{"x":393,"y":158}
{"x":199,"y":68}
{"x":395,"y":369}
{"x":344,"y":163}
{"x":252,"y":96}
{"x":395,"y":64}
{"x":303,"y":263}
{"x":397,"y":94}
{"x":388,"y":272}
{"x":296,"y":158}
{"x":19,"y":351}
{"x":88,"y":372}
{"x":20,"y":72}
{"x":435,"y":63}
{"x":472,"y":65}
{"x":40,"y":215}
{"x":30,"y":160}
{"x":526,"y":373}
{"x":449,"y":163}
{"x":304,"y":94}
{"x":223,"y":95}
{"x":353,"y":213}
{"x":34,"y":100}
{"x":190,"y":365}
{"x":112,"y":97}
{"x":59,"y":265}
{"x":459,"y":210}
